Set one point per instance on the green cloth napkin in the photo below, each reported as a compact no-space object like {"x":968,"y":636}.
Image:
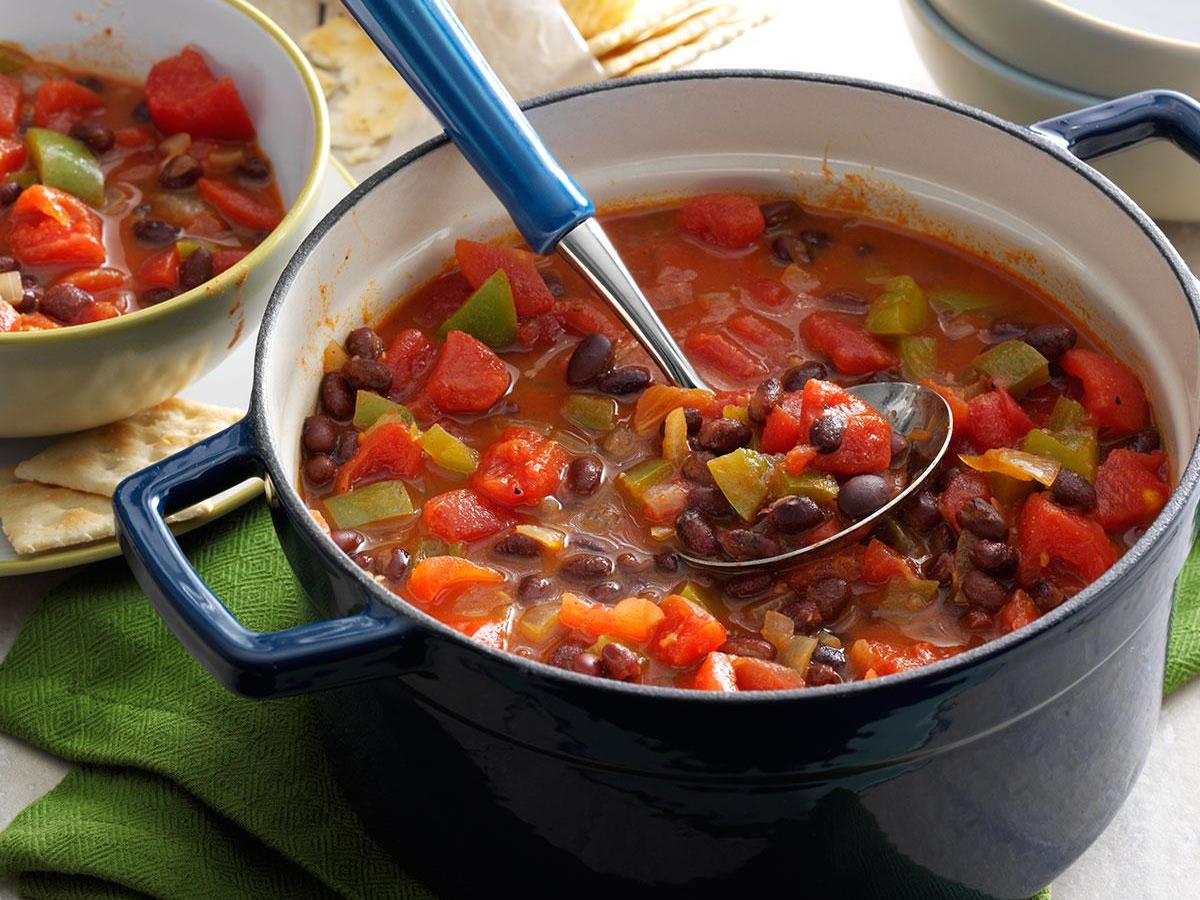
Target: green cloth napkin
{"x":183,"y":790}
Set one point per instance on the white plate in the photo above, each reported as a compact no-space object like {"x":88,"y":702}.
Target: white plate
{"x":227,"y":385}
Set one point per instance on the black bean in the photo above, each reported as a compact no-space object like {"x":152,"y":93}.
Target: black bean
{"x":831,"y":595}
{"x":607,"y":592}
{"x":805,"y":614}
{"x":346,"y":539}
{"x":518,"y":545}
{"x":586,"y":567}
{"x":816,"y":238}
{"x":337,"y":397}
{"x":156,"y":295}
{"x":155,"y":232}
{"x":696,"y":533}
{"x":394,"y":564}
{"x":66,"y":302}
{"x":196,"y":269}
{"x":981,"y":519}
{"x":631,"y":562}
{"x":994,"y":557}
{"x":792,"y":515}
{"x":97,"y":137}
{"x":31,"y":298}
{"x":591,"y":358}
{"x":820,"y":675}
{"x":1052,"y":341}
{"x":91,"y":82}
{"x":862,"y":495}
{"x":723,"y":435}
{"x":140,"y":112}
{"x":795,"y":378}
{"x":584,"y":475}
{"x":367,"y":374}
{"x":884,"y":376}
{"x":625,"y":380}
{"x":709,"y":500}
{"x":534,"y":587}
{"x":984,"y":591}
{"x":364,"y":342}
{"x":765,"y":396}
{"x":363,"y":561}
{"x":695,"y":468}
{"x":847,"y":302}
{"x":835,"y":657}
{"x":180,"y":173}
{"x":1003,"y":329}
{"x":347,"y":445}
{"x":564,"y":654}
{"x":788,"y":249}
{"x":827,"y":432}
{"x":776,"y":212}
{"x":586,"y":663}
{"x":746,"y":645}
{"x":752,"y":584}
{"x":900,"y":447}
{"x":1145,"y":441}
{"x":939,"y":568}
{"x":1072,"y":491}
{"x":743,"y":544}
{"x":620,"y":663}
{"x":941,"y":539}
{"x":1046,"y":595}
{"x":9,"y":192}
{"x":255,"y":168}
{"x":666,"y":562}
{"x":9,"y":264}
{"x":320,"y":469}
{"x":319,"y":434}
{"x":554,"y":284}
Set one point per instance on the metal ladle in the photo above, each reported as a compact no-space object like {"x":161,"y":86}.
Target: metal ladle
{"x":428,"y":46}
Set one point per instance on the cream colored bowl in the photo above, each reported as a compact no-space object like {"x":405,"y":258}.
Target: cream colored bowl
{"x":86,"y":375}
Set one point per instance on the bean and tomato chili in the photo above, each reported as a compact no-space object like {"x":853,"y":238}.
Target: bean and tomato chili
{"x":116,"y":196}
{"x":499,"y":452}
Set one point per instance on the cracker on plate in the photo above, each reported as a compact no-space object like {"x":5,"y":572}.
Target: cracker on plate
{"x":594,"y":16}
{"x":96,"y":461}
{"x":682,"y":34}
{"x":718,"y":36}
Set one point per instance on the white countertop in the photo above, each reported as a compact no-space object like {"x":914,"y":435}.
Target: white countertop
{"x":1153,"y":845}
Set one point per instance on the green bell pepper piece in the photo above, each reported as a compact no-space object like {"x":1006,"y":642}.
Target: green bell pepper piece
{"x":744,"y":477}
{"x":370,"y":407}
{"x":900,"y":309}
{"x":1014,"y":366}
{"x":489,"y":314}
{"x":918,"y":357}
{"x":897,"y":536}
{"x":636,"y":481}
{"x":25,"y":178}
{"x":590,"y":412}
{"x":431,"y":546}
{"x":1007,"y":489}
{"x":958,"y":302}
{"x":373,"y":503}
{"x":699,"y":594}
{"x":64,"y":163}
{"x":448,"y":451}
{"x":1067,"y":415}
{"x":909,"y":594}
{"x":1078,"y":451}
{"x":819,"y":487}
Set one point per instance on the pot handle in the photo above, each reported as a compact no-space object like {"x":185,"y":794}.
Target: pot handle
{"x":307,"y":658}
{"x":1108,"y":127}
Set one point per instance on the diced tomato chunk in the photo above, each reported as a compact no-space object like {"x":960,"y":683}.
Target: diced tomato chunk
{"x":523,"y":468}
{"x":995,"y":419}
{"x":133,"y":136}
{"x":715,"y":674}
{"x":462,"y":515}
{"x":183,"y":94}
{"x":781,"y":432}
{"x":238,"y":207}
{"x":887,"y":659}
{"x":467,"y":377}
{"x":1018,"y":612}
{"x":12,"y":155}
{"x":768,"y":292}
{"x":866,"y":439}
{"x":60,"y":104}
{"x":161,"y":269}
{"x":881,"y":564}
{"x":718,"y":352}
{"x":964,"y":485}
{"x":434,"y":578}
{"x":386,"y":451}
{"x":226,"y":259}
{"x":960,"y":410}
{"x":842,"y":339}
{"x":1112,"y":393}
{"x":50,"y":227}
{"x":761,"y":675}
{"x":798,"y":459}
{"x":95,"y":281}
{"x":586,"y":317}
{"x":409,"y":356}
{"x":10,"y":105}
{"x":539,"y":331}
{"x":479,"y":262}
{"x":1060,"y":545}
{"x":731,"y":221}
{"x":687,"y":632}
{"x":633,"y":619}
{"x":1128,"y":489}
{"x":96,"y":312}
{"x":760,"y":334}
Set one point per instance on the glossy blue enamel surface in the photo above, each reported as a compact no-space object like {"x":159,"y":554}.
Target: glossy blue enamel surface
{"x":1122,"y":123}
{"x":428,"y":46}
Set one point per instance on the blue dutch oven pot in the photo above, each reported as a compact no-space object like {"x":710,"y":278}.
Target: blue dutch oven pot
{"x":983,"y":775}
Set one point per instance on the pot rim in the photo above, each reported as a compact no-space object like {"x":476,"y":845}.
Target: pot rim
{"x":1141,"y":552}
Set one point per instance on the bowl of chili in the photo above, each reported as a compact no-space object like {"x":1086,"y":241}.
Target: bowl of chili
{"x":678,"y":743}
{"x":155,"y":174}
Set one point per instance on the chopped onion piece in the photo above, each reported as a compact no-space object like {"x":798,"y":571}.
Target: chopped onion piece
{"x":550,"y":538}
{"x":10,"y":287}
{"x":1015,"y":464}
{"x":798,"y":653}
{"x":175,"y":145}
{"x":778,"y":629}
{"x":335,"y":358}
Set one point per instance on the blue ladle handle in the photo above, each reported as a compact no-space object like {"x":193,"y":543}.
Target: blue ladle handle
{"x":426,"y":43}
